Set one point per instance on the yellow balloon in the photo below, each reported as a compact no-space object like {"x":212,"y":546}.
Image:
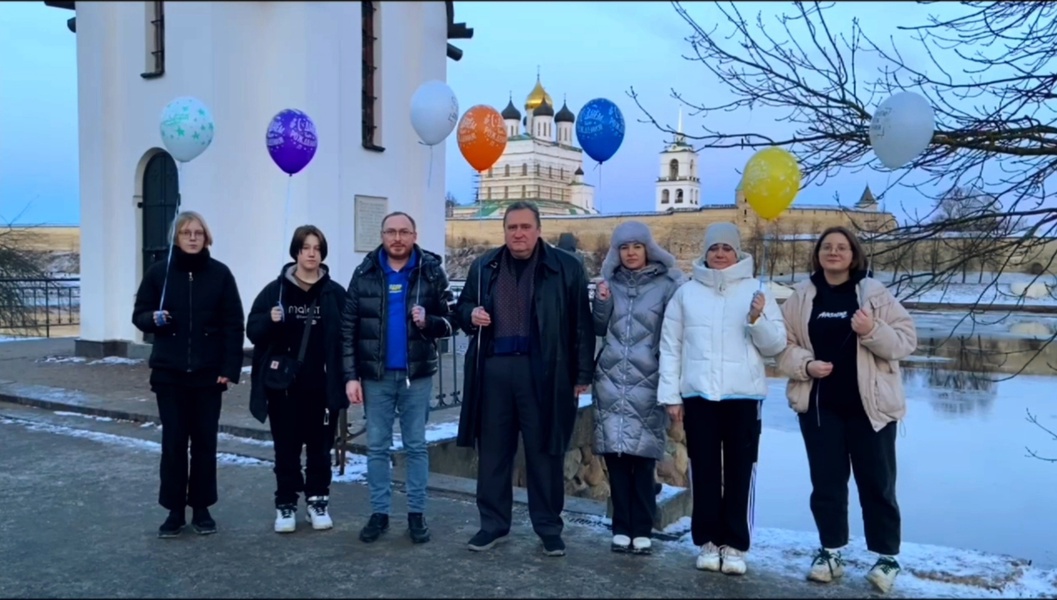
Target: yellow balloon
{"x":771,"y":182}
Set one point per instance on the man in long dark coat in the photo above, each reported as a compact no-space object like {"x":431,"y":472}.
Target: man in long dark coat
{"x":526,"y":308}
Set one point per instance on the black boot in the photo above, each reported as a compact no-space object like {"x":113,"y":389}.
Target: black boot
{"x":375,"y":527}
{"x":417,"y":528}
{"x":173,"y":524}
{"x":202,"y":522}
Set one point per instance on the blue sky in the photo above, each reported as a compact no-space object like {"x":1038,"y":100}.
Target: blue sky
{"x":583,"y":50}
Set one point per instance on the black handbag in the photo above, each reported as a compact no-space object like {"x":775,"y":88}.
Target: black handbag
{"x":282,"y":369}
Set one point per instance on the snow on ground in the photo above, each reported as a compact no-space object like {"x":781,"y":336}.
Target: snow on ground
{"x":435,"y":432}
{"x":118,"y":440}
{"x":106,"y":360}
{"x":64,"y":413}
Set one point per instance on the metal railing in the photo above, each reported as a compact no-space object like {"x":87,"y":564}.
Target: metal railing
{"x":35,"y":305}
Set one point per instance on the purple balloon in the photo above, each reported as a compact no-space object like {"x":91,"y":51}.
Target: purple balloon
{"x":292,"y":140}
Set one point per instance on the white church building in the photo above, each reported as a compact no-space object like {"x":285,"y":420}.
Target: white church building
{"x":541,"y":163}
{"x":247,"y":61}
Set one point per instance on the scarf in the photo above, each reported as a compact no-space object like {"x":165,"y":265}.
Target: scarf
{"x":513,"y":305}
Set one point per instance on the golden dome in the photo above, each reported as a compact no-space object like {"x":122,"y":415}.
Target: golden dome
{"x":537,"y":96}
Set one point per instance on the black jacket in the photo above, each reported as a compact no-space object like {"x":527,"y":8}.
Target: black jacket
{"x":321,"y":374}
{"x":363,"y":323}
{"x":203,"y":341}
{"x":565,"y":336}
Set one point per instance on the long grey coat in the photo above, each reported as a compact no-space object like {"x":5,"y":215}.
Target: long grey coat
{"x":628,"y":419}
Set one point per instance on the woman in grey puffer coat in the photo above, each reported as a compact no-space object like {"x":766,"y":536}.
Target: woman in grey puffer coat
{"x":630,"y":427}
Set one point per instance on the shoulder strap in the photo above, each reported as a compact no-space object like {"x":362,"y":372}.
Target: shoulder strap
{"x":308,"y":331}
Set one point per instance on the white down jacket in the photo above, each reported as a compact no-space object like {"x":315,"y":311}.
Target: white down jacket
{"x":708,"y":347}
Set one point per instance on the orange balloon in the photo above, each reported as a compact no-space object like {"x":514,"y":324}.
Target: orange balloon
{"x":482,"y":136}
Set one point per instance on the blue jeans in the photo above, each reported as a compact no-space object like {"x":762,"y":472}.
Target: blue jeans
{"x":382,"y":401}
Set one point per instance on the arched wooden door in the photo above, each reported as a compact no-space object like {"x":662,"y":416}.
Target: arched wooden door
{"x":161,"y":199}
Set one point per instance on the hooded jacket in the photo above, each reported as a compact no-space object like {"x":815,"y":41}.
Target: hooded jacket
{"x":708,"y":347}
{"x":320,"y":377}
{"x":628,"y":419}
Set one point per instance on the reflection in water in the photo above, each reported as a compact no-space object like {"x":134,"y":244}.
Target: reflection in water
{"x":953,"y":393}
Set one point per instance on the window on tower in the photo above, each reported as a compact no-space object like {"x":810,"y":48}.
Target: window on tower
{"x":665,"y":197}
{"x":524,"y":170}
{"x":155,"y":46}
{"x":679,"y":196}
{"x":370,"y":120}
{"x":673,"y":169}
{"x":506,"y":170}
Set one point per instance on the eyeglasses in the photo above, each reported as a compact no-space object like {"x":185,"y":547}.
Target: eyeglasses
{"x":198,"y":233}
{"x":393,"y":233}
{"x":835,"y":249}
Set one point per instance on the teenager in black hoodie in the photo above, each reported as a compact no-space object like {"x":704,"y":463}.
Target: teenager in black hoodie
{"x":305,"y":414}
{"x":191,"y":305}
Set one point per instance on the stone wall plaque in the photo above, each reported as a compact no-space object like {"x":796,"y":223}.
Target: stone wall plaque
{"x":369,"y":212}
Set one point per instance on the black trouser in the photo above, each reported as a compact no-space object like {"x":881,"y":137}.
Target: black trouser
{"x":631,"y":482}
{"x":188,"y":414}
{"x":836,"y":444}
{"x":509,"y":405}
{"x":297,"y":421}
{"x":723,"y":442}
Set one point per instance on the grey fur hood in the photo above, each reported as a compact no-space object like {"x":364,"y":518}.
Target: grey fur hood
{"x":636,"y":231}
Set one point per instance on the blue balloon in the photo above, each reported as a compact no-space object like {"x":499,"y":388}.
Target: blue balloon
{"x":600,"y":129}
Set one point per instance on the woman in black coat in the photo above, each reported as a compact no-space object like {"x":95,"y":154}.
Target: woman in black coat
{"x":297,"y":382}
{"x":191,"y":304}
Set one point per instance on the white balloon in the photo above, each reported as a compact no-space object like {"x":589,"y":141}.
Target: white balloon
{"x":186,"y":128}
{"x":434,"y":112}
{"x":901,"y":129}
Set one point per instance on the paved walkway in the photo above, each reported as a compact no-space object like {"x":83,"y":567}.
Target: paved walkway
{"x":80,"y":520}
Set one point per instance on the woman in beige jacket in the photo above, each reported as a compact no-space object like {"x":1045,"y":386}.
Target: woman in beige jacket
{"x":846,"y":335}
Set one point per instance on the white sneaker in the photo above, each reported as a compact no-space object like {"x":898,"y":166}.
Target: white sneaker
{"x":641,"y":545}
{"x":733,"y":561}
{"x":285,"y":521}
{"x":826,"y":566}
{"x":620,"y":543}
{"x":883,"y":574}
{"x":708,"y":559}
{"x":317,"y":512}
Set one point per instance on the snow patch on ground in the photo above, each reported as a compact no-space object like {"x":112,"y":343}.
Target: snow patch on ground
{"x":127,"y":442}
{"x":355,"y":469}
{"x":117,"y":360}
{"x":106,"y":360}
{"x":64,"y":413}
{"x":928,"y":571}
{"x":435,"y":432}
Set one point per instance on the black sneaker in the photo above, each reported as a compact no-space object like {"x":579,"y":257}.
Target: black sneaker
{"x":375,"y":527}
{"x":417,"y":528}
{"x":484,"y":540}
{"x":202,"y":522}
{"x":173,"y":524}
{"x":553,"y":545}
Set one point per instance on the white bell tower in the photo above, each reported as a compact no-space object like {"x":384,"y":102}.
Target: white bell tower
{"x":678,"y":186}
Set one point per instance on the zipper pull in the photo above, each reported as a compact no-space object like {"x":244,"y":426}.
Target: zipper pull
{"x":326,"y":416}
{"x":407,"y":380}
{"x":190,"y":276}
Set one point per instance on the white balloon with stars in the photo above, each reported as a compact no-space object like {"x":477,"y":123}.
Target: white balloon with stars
{"x":186,"y":128}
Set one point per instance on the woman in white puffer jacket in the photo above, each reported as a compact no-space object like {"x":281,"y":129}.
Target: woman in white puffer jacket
{"x":717,"y":330}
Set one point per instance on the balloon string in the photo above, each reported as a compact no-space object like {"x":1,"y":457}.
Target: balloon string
{"x":763,"y":261}
{"x":286,"y":225}
{"x":429,"y":173}
{"x":172,"y":233}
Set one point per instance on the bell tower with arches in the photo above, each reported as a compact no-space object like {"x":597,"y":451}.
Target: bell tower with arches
{"x":678,"y":185}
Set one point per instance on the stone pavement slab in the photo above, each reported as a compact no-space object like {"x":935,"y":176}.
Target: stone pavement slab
{"x":80,"y":521}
